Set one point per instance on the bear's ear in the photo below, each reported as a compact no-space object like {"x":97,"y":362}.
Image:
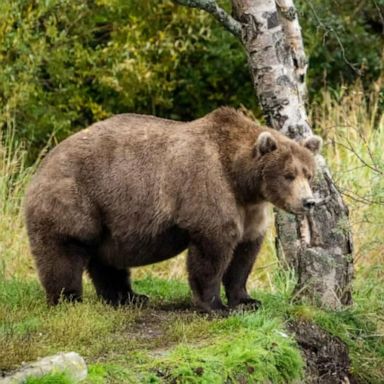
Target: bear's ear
{"x":313,"y":143}
{"x":265,"y":143}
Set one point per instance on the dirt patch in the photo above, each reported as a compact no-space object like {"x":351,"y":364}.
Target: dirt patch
{"x":152,"y":327}
{"x":176,"y":307}
{"x":326,"y":355}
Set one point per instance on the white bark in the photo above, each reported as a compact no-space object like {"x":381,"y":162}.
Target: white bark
{"x":292,"y":31}
{"x":272,"y":67}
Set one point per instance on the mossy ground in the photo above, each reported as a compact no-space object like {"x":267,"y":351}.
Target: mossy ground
{"x":168,"y":342}
{"x":164,"y":341}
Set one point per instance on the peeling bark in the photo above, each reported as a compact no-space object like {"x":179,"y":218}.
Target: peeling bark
{"x":319,"y":246}
{"x":271,"y":67}
{"x":323,"y":262}
{"x":292,"y":31}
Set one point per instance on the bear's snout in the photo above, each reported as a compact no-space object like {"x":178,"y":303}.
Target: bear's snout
{"x":309,"y":203}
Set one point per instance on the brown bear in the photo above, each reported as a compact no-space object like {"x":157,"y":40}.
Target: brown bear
{"x":134,"y":190}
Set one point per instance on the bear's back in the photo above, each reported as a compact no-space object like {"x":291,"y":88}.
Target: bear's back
{"x":130,"y":137}
{"x":139,"y":165}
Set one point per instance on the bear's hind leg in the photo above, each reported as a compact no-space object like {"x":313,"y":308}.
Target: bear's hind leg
{"x":60,"y":266}
{"x":236,"y":275}
{"x":113,"y":285}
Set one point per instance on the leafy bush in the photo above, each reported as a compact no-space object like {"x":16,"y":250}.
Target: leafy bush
{"x":343,"y":39}
{"x":68,"y":63}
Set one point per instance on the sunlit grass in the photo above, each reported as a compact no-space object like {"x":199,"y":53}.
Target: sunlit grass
{"x":14,"y":175}
{"x":147,"y":340}
{"x":352,"y":124}
{"x":159,"y":341}
{"x":53,"y":378}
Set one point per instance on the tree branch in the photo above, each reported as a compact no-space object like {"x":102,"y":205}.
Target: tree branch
{"x":219,"y":13}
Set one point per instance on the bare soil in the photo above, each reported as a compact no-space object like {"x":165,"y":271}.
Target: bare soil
{"x":327,"y":360}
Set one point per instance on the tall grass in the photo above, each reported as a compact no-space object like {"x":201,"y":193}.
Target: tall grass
{"x":352,"y":124}
{"x":14,"y":175}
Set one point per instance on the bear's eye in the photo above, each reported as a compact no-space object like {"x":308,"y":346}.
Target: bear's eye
{"x":289,"y":176}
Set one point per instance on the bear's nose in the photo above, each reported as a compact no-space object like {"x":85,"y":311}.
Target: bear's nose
{"x":309,"y":203}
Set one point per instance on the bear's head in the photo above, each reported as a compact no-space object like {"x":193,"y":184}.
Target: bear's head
{"x":287,"y":169}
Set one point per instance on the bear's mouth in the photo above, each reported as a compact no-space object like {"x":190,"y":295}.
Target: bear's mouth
{"x":298,"y":211}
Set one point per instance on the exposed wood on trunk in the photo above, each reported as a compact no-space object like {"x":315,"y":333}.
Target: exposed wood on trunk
{"x":323,"y":262}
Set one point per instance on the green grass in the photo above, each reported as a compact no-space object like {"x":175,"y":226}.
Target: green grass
{"x":147,"y":342}
{"x":166,"y":342}
{"x":352,"y":125}
{"x":54,"y":378}
{"x":158,"y":344}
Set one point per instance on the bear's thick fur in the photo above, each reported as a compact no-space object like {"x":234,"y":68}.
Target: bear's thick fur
{"x":134,"y":190}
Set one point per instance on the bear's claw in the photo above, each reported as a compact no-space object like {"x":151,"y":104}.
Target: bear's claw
{"x":137,"y":299}
{"x":247,"y":303}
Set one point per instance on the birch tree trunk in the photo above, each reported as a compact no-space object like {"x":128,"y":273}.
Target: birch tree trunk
{"x":318,"y":246}
{"x":292,"y":31}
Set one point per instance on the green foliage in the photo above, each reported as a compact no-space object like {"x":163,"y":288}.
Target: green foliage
{"x":14,"y":175}
{"x":359,"y":326}
{"x":152,"y":345}
{"x":248,"y":346}
{"x":66,"y":64}
{"x":163,"y":289}
{"x":343,"y":39}
{"x":97,"y":373}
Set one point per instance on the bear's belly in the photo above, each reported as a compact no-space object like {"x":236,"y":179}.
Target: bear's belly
{"x":135,"y":250}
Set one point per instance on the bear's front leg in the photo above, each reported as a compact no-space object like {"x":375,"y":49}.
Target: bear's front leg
{"x":206,"y":263}
{"x":236,"y":275}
